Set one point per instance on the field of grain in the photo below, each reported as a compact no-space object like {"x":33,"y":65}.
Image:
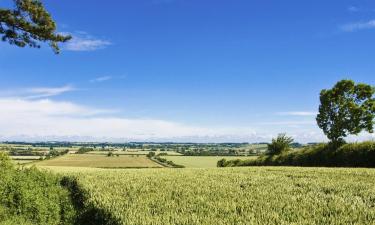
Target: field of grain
{"x":244,"y":196}
{"x":172,"y":153}
{"x":99,"y":161}
{"x":202,"y":161}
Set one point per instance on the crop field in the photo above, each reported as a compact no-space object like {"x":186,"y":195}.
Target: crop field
{"x":202,"y":161}
{"x":232,"y":195}
{"x":99,"y":161}
{"x":121,"y":152}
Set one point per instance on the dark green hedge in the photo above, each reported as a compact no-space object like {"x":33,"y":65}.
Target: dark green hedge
{"x":324,"y":155}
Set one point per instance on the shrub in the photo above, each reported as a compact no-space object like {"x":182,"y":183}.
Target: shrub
{"x":30,"y":196}
{"x":280,"y":144}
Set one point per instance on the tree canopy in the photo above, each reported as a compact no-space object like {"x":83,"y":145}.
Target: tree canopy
{"x":346,"y":109}
{"x":29,"y":24}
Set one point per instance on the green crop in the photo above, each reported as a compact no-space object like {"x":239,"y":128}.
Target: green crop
{"x":232,"y":195}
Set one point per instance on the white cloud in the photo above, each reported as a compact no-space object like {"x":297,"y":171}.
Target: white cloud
{"x":36,"y":92}
{"x":298,"y":113}
{"x":49,"y":120}
{"x":81,"y":41}
{"x":352,"y":27}
{"x":43,"y":92}
{"x":101,"y":79}
{"x":41,"y":118}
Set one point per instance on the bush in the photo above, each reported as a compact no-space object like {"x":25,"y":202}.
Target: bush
{"x":29,"y":196}
{"x":280,"y":144}
{"x":84,"y":150}
{"x":323,"y":155}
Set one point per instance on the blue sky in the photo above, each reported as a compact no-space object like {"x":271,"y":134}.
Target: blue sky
{"x":185,"y":70}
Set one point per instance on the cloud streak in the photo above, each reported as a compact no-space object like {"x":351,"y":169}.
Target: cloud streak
{"x":43,"y":92}
{"x":352,"y":27}
{"x":81,"y":41}
{"x":101,"y":79}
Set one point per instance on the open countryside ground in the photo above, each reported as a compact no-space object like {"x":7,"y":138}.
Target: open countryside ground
{"x":99,"y":161}
{"x":231,"y":195}
{"x":202,"y":161}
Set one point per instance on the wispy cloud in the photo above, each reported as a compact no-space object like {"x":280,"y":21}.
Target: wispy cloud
{"x":44,"y":92}
{"x":352,"y":27}
{"x":107,"y":78}
{"x":101,"y":79}
{"x":82,"y":41}
{"x":297,"y":113}
{"x":353,"y":9}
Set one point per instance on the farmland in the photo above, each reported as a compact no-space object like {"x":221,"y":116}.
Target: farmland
{"x":202,"y":161}
{"x":99,"y":161}
{"x":231,"y":195}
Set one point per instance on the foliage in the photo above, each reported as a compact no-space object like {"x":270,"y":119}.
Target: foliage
{"x":280,"y":144}
{"x":83,"y":150}
{"x":29,"y":196}
{"x":28,"y":24}
{"x":151,"y":154}
{"x":347,"y":108}
{"x":323,"y":155}
{"x":167,"y":163}
{"x":232,"y":195}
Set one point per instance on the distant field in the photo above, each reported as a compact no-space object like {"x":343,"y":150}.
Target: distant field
{"x":132,"y":152}
{"x":268,"y":195}
{"x":25,"y":157}
{"x":202,"y":161}
{"x":99,"y":161}
{"x":21,"y":162}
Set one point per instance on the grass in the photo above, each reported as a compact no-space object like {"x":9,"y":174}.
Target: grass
{"x":272,"y":195}
{"x":99,"y":161}
{"x":202,"y":161}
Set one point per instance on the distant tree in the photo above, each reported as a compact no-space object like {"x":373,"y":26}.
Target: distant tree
{"x":346,"y":109}
{"x":280,"y":144}
{"x":28,"y":24}
{"x":151,"y":154}
{"x":221,"y":163}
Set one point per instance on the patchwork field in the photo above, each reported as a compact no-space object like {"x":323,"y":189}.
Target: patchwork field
{"x":202,"y":161}
{"x":99,"y":161}
{"x":132,"y":152}
{"x":270,"y":196}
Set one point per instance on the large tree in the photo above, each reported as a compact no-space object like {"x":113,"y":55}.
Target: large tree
{"x":29,"y":24}
{"x":346,"y":109}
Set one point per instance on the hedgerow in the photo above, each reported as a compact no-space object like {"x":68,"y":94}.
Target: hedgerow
{"x":323,"y":155}
{"x":30,"y":196}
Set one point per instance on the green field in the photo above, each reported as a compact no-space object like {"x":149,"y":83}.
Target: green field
{"x":99,"y":161}
{"x":202,"y":161}
{"x":231,"y":195}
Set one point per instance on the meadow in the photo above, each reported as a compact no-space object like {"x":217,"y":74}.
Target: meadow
{"x":203,"y":161}
{"x":230,"y":195}
{"x":99,"y":161}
